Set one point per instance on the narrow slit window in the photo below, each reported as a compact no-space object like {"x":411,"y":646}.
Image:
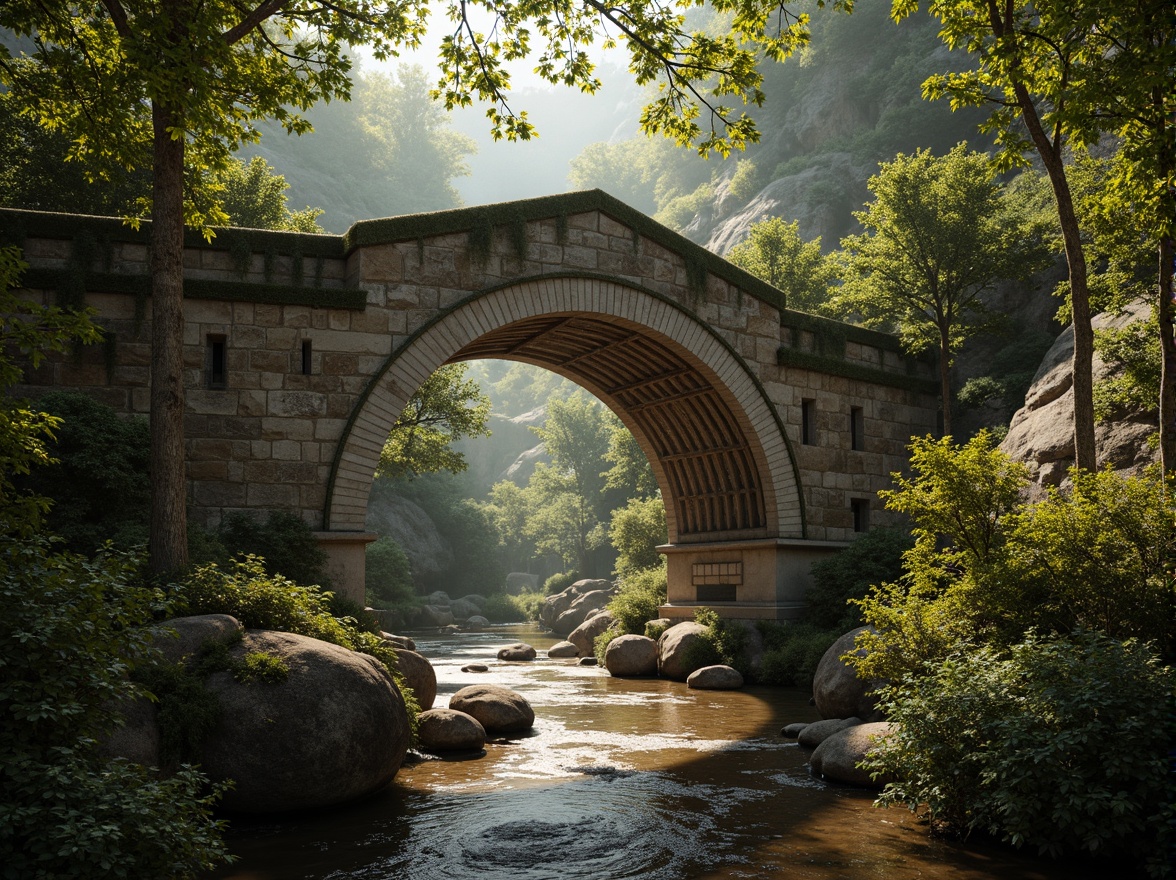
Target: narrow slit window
{"x":861,"y":514}
{"x":857,"y":432}
{"x":218,"y":371}
{"x":808,"y":422}
{"x":306,"y":357}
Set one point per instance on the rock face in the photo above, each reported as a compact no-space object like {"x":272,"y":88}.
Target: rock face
{"x":419,"y":675}
{"x":838,"y":755}
{"x":192,"y":633}
{"x":1042,"y":434}
{"x":631,"y":655}
{"x":715,"y":678}
{"x":334,"y":730}
{"x":563,"y":649}
{"x":498,"y":709}
{"x":415,"y":532}
{"x":677,"y":649}
{"x":816,"y":733}
{"x":584,"y":636}
{"x":445,"y":730}
{"x":837,"y":690}
{"x":517,"y":651}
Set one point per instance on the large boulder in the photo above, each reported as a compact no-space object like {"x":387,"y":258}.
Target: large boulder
{"x":520,"y":581}
{"x":681,"y":649}
{"x":335,"y":729}
{"x":816,"y":733}
{"x":563,"y":649}
{"x":838,"y":756}
{"x":434,"y":616}
{"x":584,"y":636}
{"x":517,"y":651}
{"x":463,"y":609}
{"x":581,"y":609}
{"x":498,"y":709}
{"x":419,"y":675}
{"x":446,"y":730}
{"x":552,"y":612}
{"x":631,"y":655}
{"x":837,"y":690}
{"x":1041,"y":433}
{"x":190,"y":634}
{"x":477,"y":623}
{"x":715,"y":678}
{"x":429,"y":553}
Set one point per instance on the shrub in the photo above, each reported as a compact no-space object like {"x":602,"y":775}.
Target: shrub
{"x":874,"y":558}
{"x":504,"y":608}
{"x":284,"y":542}
{"x":70,"y":633}
{"x":601,"y":642}
{"x":557,"y":583}
{"x":638,"y":599}
{"x":792,"y":652}
{"x":1060,"y":745}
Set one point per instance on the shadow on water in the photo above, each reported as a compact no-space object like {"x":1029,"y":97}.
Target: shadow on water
{"x":622,"y":778}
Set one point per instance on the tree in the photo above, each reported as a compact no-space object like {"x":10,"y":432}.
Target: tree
{"x":447,"y":407}
{"x":936,"y":238}
{"x":253,"y":195}
{"x":775,"y":252}
{"x":1058,"y":73}
{"x":183,"y":85}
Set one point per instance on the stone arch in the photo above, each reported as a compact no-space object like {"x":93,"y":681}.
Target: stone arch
{"x":716,"y":443}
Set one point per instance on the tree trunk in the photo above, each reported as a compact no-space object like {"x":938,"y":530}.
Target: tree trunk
{"x":1085,"y":456}
{"x":945,"y":378}
{"x":1165,"y":310}
{"x":168,"y":544}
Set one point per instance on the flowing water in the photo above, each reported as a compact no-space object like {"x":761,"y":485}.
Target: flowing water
{"x":620,"y":778}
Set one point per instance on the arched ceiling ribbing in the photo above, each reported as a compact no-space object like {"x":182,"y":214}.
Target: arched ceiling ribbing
{"x":702,"y":451}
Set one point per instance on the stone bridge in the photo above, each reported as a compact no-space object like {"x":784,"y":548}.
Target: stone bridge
{"x":769,"y":431}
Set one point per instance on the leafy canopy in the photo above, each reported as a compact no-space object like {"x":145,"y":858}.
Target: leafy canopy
{"x":775,"y":252}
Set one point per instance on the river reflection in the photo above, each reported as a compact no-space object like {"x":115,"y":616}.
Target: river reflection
{"x":620,"y":778}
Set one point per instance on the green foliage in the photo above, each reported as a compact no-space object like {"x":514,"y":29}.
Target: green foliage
{"x":745,"y":182}
{"x":1135,"y":356}
{"x":792,"y":652}
{"x":1059,"y":745}
{"x":680,"y":210}
{"x":505,"y":608}
{"x":447,"y":407}
{"x":260,"y":667}
{"x":72,"y":631}
{"x":775,"y":252}
{"x":559,"y":582}
{"x":601,"y":642}
{"x":98,"y":482}
{"x":284,"y":542}
{"x":637,"y":600}
{"x":387,"y":573}
{"x":252,"y":195}
{"x":636,"y":531}
{"x":629,"y":472}
{"x":875,"y":557}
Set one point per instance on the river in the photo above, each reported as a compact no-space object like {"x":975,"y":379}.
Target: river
{"x":619,"y":778}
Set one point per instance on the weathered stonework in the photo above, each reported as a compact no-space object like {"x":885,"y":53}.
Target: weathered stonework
{"x":700,"y":360}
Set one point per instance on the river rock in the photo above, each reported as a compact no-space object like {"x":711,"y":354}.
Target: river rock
{"x":499,"y":709}
{"x":446,"y":730}
{"x":588,"y":661}
{"x":584,"y":636}
{"x":837,"y":690}
{"x":563,"y":649}
{"x":587,"y":596}
{"x":434,"y":615}
{"x":715,"y":678}
{"x":475,"y":667}
{"x":439,"y":597}
{"x":678,"y":647}
{"x":419,"y":675}
{"x":838,"y":755}
{"x":477,"y":623}
{"x":475,"y":599}
{"x":520,"y":581}
{"x":399,"y":641}
{"x":463,"y":610}
{"x":817,"y":732}
{"x":192,"y":632}
{"x":792,"y":731}
{"x":631,"y":655}
{"x":336,"y":729}
{"x":517,"y":651}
